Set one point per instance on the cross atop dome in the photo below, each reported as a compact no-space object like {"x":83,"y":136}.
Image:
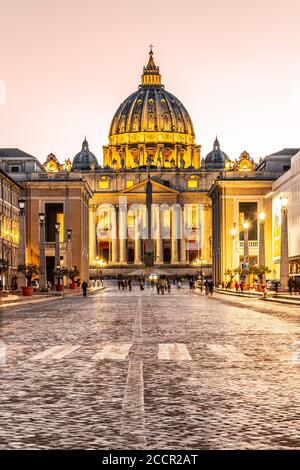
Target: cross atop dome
{"x":216,"y":144}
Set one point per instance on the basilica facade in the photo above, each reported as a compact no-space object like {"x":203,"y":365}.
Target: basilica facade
{"x":197,"y":202}
{"x":151,"y":137}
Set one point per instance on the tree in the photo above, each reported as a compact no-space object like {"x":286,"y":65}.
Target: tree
{"x":260,"y":271}
{"x":231,"y":273}
{"x":72,"y":273}
{"x":30,"y":271}
{"x":60,"y":272}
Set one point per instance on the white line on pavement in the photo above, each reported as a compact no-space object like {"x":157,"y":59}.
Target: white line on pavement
{"x":133,"y":408}
{"x":115,"y":351}
{"x":228,"y":351}
{"x":56,"y":352}
{"x":173,"y":352}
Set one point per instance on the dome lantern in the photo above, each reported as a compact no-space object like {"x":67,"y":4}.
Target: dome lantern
{"x":151,"y":75}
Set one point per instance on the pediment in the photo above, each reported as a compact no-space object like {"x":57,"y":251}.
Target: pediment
{"x":140,"y":188}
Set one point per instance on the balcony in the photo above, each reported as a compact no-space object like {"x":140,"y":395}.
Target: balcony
{"x":51,"y":245}
{"x":252,"y":244}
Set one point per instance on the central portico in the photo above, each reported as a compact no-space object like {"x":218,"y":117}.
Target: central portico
{"x":119,"y":226}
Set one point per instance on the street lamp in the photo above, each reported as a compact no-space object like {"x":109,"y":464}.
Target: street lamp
{"x":233,"y":233}
{"x":284,"y":246}
{"x":57,"y":250}
{"x":69,"y":248}
{"x":261,"y":251}
{"x":42,"y":261}
{"x":200,"y":262}
{"x":99,"y":263}
{"x":22,"y":242}
{"x":21,"y":205}
{"x":246,"y":249}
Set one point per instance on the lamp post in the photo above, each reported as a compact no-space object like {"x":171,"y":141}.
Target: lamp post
{"x":246,"y":250}
{"x":22,"y":242}
{"x":69,"y":248}
{"x":57,"y":247}
{"x":233,"y":233}
{"x":43,"y":272}
{"x":284,"y":247}
{"x":261,"y":249}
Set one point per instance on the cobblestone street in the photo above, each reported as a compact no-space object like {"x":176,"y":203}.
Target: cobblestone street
{"x":120,"y":370}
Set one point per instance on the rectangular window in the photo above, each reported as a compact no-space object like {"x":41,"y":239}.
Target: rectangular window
{"x":103,"y":184}
{"x":248,"y":213}
{"x":54,"y":213}
{"x":15,"y":169}
{"x":192,"y":184}
{"x":129,"y":183}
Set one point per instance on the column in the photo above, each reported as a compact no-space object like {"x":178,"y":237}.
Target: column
{"x":284,"y":248}
{"x":158,"y":241}
{"x":92,"y":235}
{"x":182,"y":241}
{"x":114,"y":242}
{"x":21,"y":281}
{"x":246,"y":251}
{"x":42,"y":260}
{"x":137,"y":237}
{"x":174,"y":235}
{"x":123,"y":232}
{"x":261,"y":255}
{"x":57,"y":245}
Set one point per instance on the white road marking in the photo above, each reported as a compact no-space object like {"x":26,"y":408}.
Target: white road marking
{"x":56,"y":352}
{"x":173,"y":352}
{"x":227,"y":351}
{"x":113,"y":351}
{"x":133,"y":408}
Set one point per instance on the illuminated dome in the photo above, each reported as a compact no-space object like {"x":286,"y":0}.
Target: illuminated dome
{"x":216,"y":158}
{"x":154,"y":126}
{"x":85,"y":160}
{"x":151,"y":108}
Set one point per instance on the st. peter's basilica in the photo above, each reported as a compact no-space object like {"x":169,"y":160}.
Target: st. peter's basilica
{"x":199,"y":203}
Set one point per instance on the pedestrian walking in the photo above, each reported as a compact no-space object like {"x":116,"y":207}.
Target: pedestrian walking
{"x":163,"y":285}
{"x":169,"y":285}
{"x":84,"y":286}
{"x":211,"y":287}
{"x":236,"y":285}
{"x":130,"y":284}
{"x":206,"y":287}
{"x":158,"y":286}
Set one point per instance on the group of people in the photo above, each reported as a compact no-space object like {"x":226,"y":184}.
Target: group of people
{"x":125,"y":283}
{"x":163,"y":284}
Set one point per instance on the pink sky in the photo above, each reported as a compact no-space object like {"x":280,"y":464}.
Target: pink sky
{"x":66,"y":65}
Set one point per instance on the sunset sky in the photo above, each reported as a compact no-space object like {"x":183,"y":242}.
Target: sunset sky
{"x":66,"y":65}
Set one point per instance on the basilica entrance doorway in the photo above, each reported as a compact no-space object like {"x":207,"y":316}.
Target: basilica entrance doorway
{"x":167,"y":255}
{"x":130,"y":255}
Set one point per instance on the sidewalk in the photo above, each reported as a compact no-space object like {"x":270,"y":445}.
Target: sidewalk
{"x":14,"y":300}
{"x":275,"y":307}
{"x":282,"y":298}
